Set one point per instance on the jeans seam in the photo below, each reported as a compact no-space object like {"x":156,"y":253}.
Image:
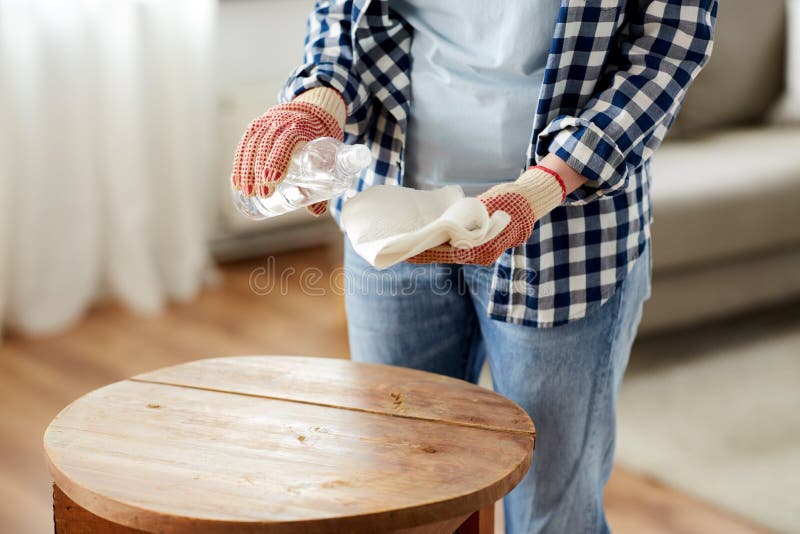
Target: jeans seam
{"x":601,"y":389}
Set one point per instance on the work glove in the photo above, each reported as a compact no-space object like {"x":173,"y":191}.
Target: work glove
{"x":534,"y":194}
{"x":266,"y":149}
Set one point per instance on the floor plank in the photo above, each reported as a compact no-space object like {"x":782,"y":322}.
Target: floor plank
{"x":637,"y":504}
{"x":39,"y":377}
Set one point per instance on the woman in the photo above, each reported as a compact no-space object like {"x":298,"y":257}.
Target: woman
{"x":444,"y":92}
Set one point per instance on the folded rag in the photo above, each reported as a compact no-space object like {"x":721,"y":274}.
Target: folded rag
{"x":388,"y":224}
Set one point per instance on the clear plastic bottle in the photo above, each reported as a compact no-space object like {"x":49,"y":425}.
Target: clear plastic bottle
{"x":325,"y":168}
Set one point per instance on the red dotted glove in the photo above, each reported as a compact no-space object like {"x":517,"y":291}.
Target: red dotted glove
{"x":537,"y":191}
{"x":267,"y":147}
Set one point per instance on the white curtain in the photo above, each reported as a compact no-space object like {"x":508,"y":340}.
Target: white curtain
{"x":106,"y":123}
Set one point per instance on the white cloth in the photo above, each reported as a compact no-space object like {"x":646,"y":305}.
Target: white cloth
{"x":106,"y":131}
{"x":387,"y":224}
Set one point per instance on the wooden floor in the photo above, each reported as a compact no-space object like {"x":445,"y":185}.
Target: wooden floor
{"x":39,"y":377}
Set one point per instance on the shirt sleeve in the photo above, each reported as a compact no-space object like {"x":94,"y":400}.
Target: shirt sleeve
{"x":666,"y":45}
{"x":328,"y":58}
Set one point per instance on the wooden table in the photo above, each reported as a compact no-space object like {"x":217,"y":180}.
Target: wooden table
{"x":285,"y":444}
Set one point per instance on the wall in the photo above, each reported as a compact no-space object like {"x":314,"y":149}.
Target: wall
{"x":260,"y":41}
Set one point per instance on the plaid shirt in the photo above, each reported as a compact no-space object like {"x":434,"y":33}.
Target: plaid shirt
{"x":615,"y":78}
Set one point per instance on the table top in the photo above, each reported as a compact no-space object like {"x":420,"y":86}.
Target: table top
{"x":276,"y":443}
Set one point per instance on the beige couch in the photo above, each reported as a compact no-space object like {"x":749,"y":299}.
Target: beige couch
{"x":726,"y":229}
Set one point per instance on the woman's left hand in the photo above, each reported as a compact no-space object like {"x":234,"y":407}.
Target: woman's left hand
{"x":531,"y":196}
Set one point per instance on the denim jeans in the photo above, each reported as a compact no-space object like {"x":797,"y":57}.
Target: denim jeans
{"x":434,"y":318}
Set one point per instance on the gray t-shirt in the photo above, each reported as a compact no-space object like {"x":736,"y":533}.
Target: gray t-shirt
{"x":476,"y":71}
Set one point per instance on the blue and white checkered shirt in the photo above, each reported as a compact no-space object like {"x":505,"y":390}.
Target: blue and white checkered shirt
{"x":617,"y":73}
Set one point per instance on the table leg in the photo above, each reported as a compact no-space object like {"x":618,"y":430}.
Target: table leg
{"x":480,"y":522}
{"x":446,"y":526}
{"x":71,"y":518}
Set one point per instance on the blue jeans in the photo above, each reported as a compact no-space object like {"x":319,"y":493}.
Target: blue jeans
{"x":434,"y":318}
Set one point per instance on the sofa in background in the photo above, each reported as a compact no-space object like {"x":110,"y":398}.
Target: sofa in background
{"x":726,"y":229}
{"x":726,"y":225}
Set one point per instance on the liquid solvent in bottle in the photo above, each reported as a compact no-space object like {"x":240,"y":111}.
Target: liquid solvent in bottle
{"x":323,"y":169}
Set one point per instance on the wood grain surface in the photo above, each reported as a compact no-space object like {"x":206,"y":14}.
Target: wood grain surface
{"x":371,"y":388}
{"x":206,"y":452}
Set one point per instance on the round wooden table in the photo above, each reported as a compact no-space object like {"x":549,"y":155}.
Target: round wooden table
{"x":285,"y":444}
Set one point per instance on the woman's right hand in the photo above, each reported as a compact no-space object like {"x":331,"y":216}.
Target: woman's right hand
{"x":267,"y":147}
